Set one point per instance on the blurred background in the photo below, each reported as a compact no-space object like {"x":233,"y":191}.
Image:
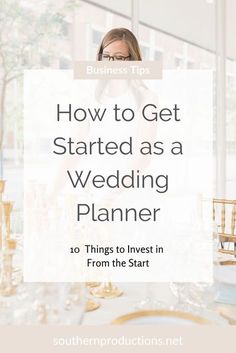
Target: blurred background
{"x":52,"y":34}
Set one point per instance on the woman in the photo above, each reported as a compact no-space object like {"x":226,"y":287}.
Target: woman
{"x":119,"y":44}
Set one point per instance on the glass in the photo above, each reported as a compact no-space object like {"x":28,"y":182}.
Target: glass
{"x":106,"y":57}
{"x":194,"y":297}
{"x":180,"y":291}
{"x":150,"y":301}
{"x":49,"y":303}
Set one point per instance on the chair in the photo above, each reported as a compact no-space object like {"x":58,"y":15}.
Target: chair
{"x":224,"y":215}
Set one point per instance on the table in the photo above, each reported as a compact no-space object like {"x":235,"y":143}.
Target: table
{"x":134,"y":293}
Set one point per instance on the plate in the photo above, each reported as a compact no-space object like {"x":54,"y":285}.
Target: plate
{"x":226,"y":274}
{"x":160,"y":317}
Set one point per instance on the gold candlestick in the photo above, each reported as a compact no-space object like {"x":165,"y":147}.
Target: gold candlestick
{"x":6,"y":286}
{"x":7,"y":206}
{"x":2,"y":187}
{"x":107,"y":290}
{"x":11,"y":244}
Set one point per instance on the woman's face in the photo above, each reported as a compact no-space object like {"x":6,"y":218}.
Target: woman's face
{"x":117,"y":50}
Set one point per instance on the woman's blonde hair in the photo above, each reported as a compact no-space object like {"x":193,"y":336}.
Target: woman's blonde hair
{"x":121,"y":34}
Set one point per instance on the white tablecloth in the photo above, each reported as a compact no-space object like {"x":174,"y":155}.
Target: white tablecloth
{"x":134,"y":293}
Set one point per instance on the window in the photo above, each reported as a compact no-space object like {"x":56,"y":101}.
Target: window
{"x":65,"y":28}
{"x":231,"y":129}
{"x":179,"y":62}
{"x":64,"y":63}
{"x":175,"y":53}
{"x":190,"y":64}
{"x":96,"y":37}
{"x":145,"y":52}
{"x":45,"y":61}
{"x":158,"y":55}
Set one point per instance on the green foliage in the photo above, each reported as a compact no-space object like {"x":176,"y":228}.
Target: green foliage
{"x":27,"y":30}
{"x":30,"y":35}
